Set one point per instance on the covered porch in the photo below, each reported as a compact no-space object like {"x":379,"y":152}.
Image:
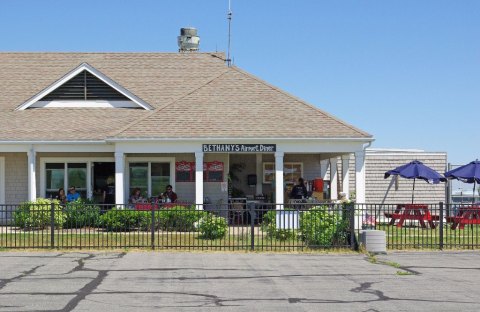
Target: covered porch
{"x":198,"y":172}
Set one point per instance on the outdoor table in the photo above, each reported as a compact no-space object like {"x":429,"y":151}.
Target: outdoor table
{"x":411,"y":212}
{"x":466,"y":215}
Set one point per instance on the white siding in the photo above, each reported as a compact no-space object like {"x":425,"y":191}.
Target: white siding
{"x":380,"y":190}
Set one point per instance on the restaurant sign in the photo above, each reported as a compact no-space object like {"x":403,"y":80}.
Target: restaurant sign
{"x":239,"y":148}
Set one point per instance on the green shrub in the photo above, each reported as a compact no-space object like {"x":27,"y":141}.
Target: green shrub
{"x":123,"y":220}
{"x":81,"y":213}
{"x":269,"y":226}
{"x":37,"y":214}
{"x":212,"y":227}
{"x":322,"y":228}
{"x":178,"y":218}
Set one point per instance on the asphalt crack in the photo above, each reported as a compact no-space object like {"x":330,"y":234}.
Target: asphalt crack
{"x":5,"y":282}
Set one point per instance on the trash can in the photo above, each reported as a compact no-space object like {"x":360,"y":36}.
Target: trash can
{"x":374,"y":241}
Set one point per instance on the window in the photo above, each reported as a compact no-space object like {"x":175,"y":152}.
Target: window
{"x":160,"y":177}
{"x":149,"y":176}
{"x":138,"y":177}
{"x":63,"y":175}
{"x":292,"y":171}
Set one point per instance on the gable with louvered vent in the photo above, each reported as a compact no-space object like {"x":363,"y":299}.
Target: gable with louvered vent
{"x":85,"y":87}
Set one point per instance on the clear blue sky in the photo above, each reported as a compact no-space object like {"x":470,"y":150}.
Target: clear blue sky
{"x":407,"y":72}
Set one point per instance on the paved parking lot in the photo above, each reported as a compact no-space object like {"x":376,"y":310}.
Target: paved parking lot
{"x":180,"y":281}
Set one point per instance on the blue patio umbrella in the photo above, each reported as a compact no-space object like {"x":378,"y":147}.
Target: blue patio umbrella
{"x":416,"y":170}
{"x":469,"y":173}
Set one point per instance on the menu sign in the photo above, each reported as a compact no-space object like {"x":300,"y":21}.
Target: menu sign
{"x":239,"y":148}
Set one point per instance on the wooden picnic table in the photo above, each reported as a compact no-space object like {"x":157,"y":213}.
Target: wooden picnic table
{"x":466,"y":215}
{"x":417,"y":212}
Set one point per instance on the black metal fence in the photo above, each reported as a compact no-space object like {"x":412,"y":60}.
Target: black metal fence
{"x":423,"y":226}
{"x":237,"y":226}
{"x":206,"y":227}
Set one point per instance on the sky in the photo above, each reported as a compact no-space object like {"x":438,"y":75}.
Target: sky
{"x":407,"y":72}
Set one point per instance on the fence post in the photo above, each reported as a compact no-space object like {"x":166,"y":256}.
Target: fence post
{"x":52,"y":225}
{"x":351,"y":214}
{"x":441,"y":226}
{"x":152,"y":228}
{"x":252,"y":225}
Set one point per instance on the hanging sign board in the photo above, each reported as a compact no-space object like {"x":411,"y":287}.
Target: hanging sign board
{"x":239,"y":148}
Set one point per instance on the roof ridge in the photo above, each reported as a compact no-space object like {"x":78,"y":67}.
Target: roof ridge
{"x":215,"y":54}
{"x":300,"y":101}
{"x":168,"y":104}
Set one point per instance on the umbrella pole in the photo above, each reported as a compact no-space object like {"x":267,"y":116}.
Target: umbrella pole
{"x":473,"y":197}
{"x":413,"y":193}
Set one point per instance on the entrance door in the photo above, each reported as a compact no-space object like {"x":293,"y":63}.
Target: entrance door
{"x":103,"y":174}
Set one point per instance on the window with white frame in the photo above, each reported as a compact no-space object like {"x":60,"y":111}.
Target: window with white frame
{"x":150,"y":177}
{"x":292,"y":171}
{"x":63,"y":175}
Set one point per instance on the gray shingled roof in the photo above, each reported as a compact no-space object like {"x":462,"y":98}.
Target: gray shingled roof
{"x":194,"y":95}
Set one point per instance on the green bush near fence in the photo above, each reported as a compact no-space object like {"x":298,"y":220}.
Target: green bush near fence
{"x":120,"y":220}
{"x":37,"y":215}
{"x":81,"y":213}
{"x":322,"y":228}
{"x":179,"y":218}
{"x":212,"y":227}
{"x":269,"y":226}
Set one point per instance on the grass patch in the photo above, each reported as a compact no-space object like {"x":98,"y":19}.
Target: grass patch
{"x":403,"y":273}
{"x":415,"y":237}
{"x":372,"y":258}
{"x":392,"y":264}
{"x":85,"y":239}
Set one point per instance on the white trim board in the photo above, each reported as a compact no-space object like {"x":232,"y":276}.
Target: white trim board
{"x":87,"y":104}
{"x":2,"y":181}
{"x":84,"y":66}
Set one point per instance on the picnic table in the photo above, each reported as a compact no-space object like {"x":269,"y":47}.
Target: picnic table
{"x":466,"y":215}
{"x":417,"y":212}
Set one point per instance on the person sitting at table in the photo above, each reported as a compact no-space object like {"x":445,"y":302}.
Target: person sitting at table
{"x":136,"y":197}
{"x":72,"y":194}
{"x":299,"y":191}
{"x":169,"y":196}
{"x":61,"y":196}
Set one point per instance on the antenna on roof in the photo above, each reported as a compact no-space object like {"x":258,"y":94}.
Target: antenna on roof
{"x":229,"y":18}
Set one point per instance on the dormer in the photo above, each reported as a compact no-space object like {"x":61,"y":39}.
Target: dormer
{"x":85,"y":87}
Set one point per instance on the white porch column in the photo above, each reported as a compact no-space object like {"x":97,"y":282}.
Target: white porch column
{"x":345,"y":175}
{"x":360,"y":176}
{"x":2,"y":186}
{"x":199,"y":179}
{"x":279,"y":198}
{"x":259,"y":173}
{"x":324,"y":168}
{"x":32,"y":186}
{"x":333,"y":179}
{"x":119,"y":178}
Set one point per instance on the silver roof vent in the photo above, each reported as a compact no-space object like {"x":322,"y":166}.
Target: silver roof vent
{"x":188,"y":41}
